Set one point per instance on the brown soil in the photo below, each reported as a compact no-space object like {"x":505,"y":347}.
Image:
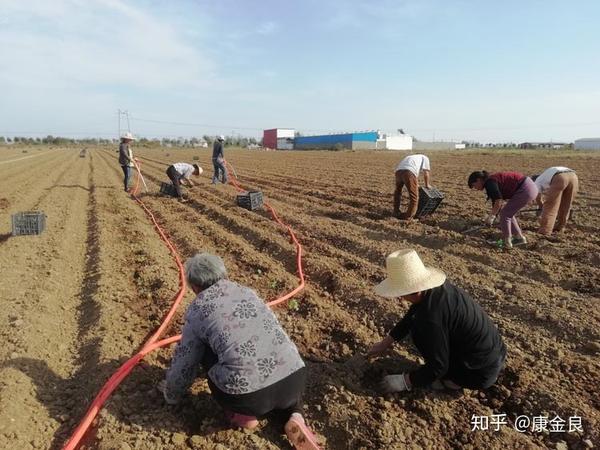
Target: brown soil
{"x":78,"y":300}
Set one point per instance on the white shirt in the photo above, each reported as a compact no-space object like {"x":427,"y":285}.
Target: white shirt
{"x":543,"y":181}
{"x":184,"y":169}
{"x":414,"y":163}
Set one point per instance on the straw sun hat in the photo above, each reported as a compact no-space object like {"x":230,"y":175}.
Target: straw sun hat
{"x":128,"y":136}
{"x":406,"y":274}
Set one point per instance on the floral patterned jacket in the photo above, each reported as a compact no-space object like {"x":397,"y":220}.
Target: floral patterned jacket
{"x":241,"y":330}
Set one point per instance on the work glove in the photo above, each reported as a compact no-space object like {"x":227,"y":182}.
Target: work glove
{"x":162,"y":387}
{"x":489,"y":220}
{"x":394,"y":383}
{"x":538,"y":212}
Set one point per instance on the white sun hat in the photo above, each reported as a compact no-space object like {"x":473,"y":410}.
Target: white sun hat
{"x":128,"y":136}
{"x":406,"y":274}
{"x":221,"y":137}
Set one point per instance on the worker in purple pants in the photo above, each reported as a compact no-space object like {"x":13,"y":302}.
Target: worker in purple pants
{"x":514,"y":188}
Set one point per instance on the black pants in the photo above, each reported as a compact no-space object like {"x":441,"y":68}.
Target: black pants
{"x":284,"y":395}
{"x":126,"y":174}
{"x":480,"y":378}
{"x":174,"y":176}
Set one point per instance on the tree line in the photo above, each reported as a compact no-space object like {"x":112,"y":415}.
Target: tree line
{"x":237,"y":141}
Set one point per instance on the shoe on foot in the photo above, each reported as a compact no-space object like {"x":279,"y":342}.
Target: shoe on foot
{"x":299,"y":434}
{"x":519,"y":240}
{"x":241,"y":420}
{"x":437,"y":385}
{"x":501,"y":243}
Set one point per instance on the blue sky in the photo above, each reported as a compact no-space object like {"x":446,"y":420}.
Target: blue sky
{"x":480,"y":70}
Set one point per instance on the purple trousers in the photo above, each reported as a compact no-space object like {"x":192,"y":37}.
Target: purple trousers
{"x":527,"y":192}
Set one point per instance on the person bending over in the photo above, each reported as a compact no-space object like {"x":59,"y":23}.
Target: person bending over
{"x":407,"y":174}
{"x":181,"y":173}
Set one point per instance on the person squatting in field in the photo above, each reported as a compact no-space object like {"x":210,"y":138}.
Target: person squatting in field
{"x":558,"y":186}
{"x":513,"y":187}
{"x":181,"y":173}
{"x":460,"y":344}
{"x":252,"y":366}
{"x":218,"y":160}
{"x":407,"y":174}
{"x":126,"y":158}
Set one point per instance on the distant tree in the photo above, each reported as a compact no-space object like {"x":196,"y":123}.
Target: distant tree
{"x":9,"y":140}
{"x":2,"y":140}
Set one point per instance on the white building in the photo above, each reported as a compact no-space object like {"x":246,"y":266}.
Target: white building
{"x":397,"y":142}
{"x":587,"y":144}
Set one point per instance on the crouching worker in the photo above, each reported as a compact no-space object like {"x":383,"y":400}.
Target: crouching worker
{"x":461,"y":346}
{"x":252,"y":366}
{"x":181,"y":173}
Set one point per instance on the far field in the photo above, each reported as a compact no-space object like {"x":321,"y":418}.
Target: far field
{"x":78,"y":300}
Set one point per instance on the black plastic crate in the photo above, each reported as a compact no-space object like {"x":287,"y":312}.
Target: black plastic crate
{"x":250,"y":200}
{"x":28,"y":222}
{"x":429,"y":200}
{"x":168,"y":189}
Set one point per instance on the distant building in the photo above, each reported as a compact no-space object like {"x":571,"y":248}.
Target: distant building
{"x":438,"y":145}
{"x":350,"y":141}
{"x":587,"y":144}
{"x":279,"y":138}
{"x":396,"y":142}
{"x":555,"y":145}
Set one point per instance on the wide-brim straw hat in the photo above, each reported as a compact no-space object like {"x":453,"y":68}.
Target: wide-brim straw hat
{"x":128,"y":136}
{"x":406,"y":274}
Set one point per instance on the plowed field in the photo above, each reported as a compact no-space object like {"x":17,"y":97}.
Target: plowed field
{"x":82,"y":297}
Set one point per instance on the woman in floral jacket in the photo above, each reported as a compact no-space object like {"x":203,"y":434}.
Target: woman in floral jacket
{"x":253,"y":367}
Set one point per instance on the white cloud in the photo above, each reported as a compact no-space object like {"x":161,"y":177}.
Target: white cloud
{"x":267,"y":28}
{"x":96,"y":43}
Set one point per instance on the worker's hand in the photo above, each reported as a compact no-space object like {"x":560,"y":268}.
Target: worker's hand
{"x":380,"y":347}
{"x":489,"y":219}
{"x":162,"y":387}
{"x":395,"y":383}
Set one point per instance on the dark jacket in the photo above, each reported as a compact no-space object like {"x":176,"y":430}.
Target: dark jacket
{"x":217,"y":149}
{"x":450,"y":330}
{"x":124,"y":154}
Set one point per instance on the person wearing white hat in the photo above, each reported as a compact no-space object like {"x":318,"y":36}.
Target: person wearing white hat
{"x":460,"y":344}
{"x":219,"y":161}
{"x":126,"y":158}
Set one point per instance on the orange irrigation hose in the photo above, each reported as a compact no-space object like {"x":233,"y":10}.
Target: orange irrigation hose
{"x":276,"y":218}
{"x":153,"y":343}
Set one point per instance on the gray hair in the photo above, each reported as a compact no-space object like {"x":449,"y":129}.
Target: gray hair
{"x":204,"y":270}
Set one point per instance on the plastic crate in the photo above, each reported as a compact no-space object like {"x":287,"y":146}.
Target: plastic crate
{"x":168,"y":189}
{"x":28,"y":222}
{"x":250,"y":200}
{"x":429,"y":200}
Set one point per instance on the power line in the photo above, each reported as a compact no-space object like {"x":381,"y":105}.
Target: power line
{"x":203,"y":125}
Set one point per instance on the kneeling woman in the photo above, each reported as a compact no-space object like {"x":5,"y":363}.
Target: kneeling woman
{"x":253,"y":367}
{"x":514,"y":187}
